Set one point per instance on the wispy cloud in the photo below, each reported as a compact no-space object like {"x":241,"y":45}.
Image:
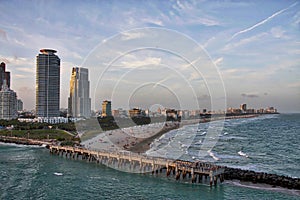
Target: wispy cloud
{"x":139,"y":63}
{"x":161,"y":81}
{"x":278,"y":32}
{"x":132,"y":35}
{"x":263,"y":21}
{"x":244,"y":41}
{"x":3,"y":34}
{"x":17,"y":61}
{"x":294,"y":85}
{"x":218,"y":61}
{"x":249,"y":95}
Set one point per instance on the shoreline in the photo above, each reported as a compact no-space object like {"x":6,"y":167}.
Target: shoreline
{"x":144,"y":145}
{"x":23,"y":141}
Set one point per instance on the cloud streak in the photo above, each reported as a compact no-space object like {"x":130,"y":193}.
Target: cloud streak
{"x":249,"y":95}
{"x":263,"y":21}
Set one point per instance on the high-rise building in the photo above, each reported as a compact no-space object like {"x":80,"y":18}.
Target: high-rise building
{"x":4,"y":75}
{"x":79,"y":102}
{"x":19,"y":105}
{"x":47,"y":83}
{"x":106,"y":108}
{"x":243,"y":107}
{"x":8,"y":103}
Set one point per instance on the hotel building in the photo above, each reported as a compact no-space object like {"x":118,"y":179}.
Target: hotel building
{"x":47,"y":84}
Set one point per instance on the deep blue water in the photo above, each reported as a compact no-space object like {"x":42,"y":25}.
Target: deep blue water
{"x":272,"y":144}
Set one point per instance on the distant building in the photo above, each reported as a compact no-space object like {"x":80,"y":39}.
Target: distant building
{"x":158,"y":110}
{"x":8,"y":103}
{"x":4,"y":75}
{"x":171,"y":113}
{"x":261,"y":110}
{"x":115,"y":113}
{"x":243,"y":107}
{"x":270,"y":110}
{"x":49,"y":120}
{"x":185,"y":114}
{"x":234,"y":111}
{"x":250,"y":111}
{"x":135,"y":112}
{"x":195,"y":113}
{"x":47,"y":84}
{"x":122,"y":113}
{"x":19,"y":105}
{"x":106,"y":108}
{"x":79,"y":102}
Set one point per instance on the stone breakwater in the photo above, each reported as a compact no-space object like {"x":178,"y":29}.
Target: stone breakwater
{"x":261,"y":177}
{"x":22,"y":141}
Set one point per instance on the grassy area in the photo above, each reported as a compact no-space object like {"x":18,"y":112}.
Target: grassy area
{"x":39,"y":134}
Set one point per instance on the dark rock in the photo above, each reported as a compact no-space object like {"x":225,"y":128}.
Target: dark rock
{"x":261,"y":177}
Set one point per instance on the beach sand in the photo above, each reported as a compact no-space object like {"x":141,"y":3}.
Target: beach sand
{"x":136,"y":139}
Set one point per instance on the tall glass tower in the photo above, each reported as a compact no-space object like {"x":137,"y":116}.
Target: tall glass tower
{"x":79,"y":102}
{"x":47,"y":83}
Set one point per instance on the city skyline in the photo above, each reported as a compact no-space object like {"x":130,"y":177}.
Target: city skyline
{"x":255,"y":45}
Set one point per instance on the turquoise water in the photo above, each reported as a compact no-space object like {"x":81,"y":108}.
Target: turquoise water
{"x":29,"y":172}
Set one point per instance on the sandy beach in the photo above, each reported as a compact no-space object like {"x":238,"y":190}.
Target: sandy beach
{"x":137,"y":139}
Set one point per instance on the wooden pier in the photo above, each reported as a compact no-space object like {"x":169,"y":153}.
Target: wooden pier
{"x":195,"y":172}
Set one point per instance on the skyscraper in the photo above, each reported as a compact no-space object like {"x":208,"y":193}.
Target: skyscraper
{"x":106,"y":108}
{"x":47,"y":83}
{"x":19,"y":105}
{"x":4,"y":75}
{"x":8,"y":103}
{"x":243,"y":107}
{"x":79,"y":102}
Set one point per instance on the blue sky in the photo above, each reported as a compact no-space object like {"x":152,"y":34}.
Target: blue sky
{"x":255,"y":46}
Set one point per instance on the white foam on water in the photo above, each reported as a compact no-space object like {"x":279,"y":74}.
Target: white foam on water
{"x":243,"y":154}
{"x":21,"y":145}
{"x":58,"y":174}
{"x":213,"y":155}
{"x":261,"y":186}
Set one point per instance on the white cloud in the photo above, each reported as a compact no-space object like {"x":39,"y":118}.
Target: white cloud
{"x":132,"y":35}
{"x":139,"y":63}
{"x":26,"y":69}
{"x":17,"y":61}
{"x":294,"y":85}
{"x":209,"y":41}
{"x":245,"y":41}
{"x":153,"y":21}
{"x":218,"y":61}
{"x":277,"y":32}
{"x":3,"y":34}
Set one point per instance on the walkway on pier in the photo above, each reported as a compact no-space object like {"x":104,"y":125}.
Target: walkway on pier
{"x":141,"y":163}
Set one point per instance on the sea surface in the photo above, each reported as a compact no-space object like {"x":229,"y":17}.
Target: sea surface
{"x":269,"y":143}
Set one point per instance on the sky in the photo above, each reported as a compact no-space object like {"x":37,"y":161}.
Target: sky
{"x":182,"y":54}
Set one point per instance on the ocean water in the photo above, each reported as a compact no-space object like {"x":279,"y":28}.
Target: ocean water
{"x":268,"y":143}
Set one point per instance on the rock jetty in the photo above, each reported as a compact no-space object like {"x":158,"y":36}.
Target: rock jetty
{"x":261,"y":177}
